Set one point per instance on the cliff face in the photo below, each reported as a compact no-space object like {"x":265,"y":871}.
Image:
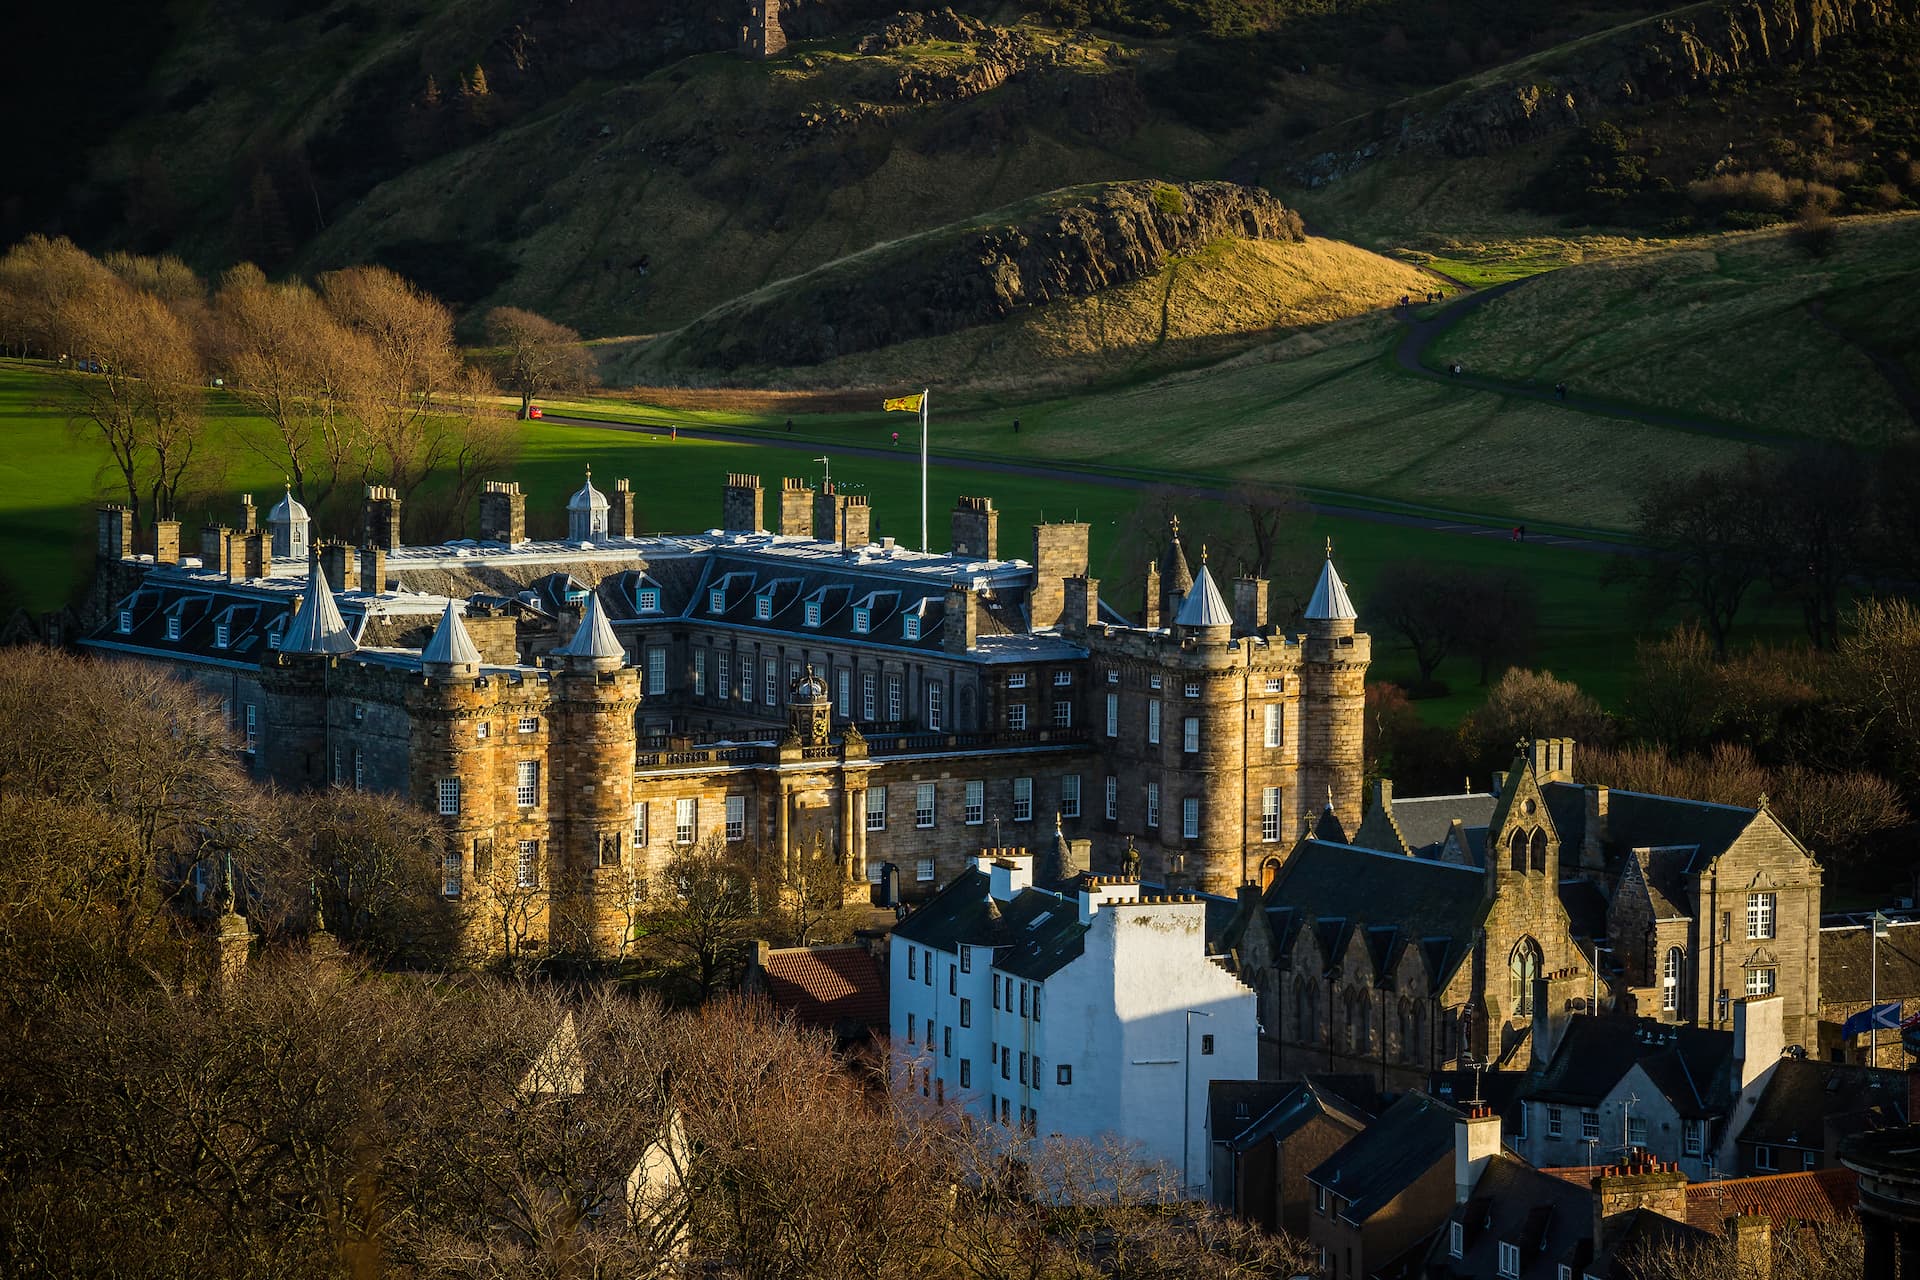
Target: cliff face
{"x":1674,"y":55}
{"x":1109,"y":236}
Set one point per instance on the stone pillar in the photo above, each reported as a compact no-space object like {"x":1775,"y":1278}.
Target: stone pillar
{"x":503,"y":513}
{"x":1150,"y":607}
{"x":380,"y":518}
{"x":742,"y":504}
{"x":620,"y":511}
{"x":372,"y":570}
{"x":975,"y":529}
{"x":857,"y":798}
{"x":166,"y":542}
{"x":796,"y":508}
{"x":231,"y":940}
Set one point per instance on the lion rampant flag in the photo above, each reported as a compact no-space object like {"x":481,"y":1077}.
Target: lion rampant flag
{"x":903,"y":404}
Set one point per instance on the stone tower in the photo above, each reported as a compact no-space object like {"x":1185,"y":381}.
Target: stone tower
{"x":743,"y":504}
{"x":761,"y":35}
{"x":457,"y":772}
{"x":1333,"y":673}
{"x":595,"y":696}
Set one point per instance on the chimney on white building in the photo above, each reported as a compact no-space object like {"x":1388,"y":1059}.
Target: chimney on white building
{"x":1098,"y":891}
{"x":1759,"y":1036}
{"x":1010,"y":872}
{"x":1476,"y":1140}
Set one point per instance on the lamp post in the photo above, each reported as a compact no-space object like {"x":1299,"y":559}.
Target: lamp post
{"x":1879,"y":928}
{"x":1186,"y":1102}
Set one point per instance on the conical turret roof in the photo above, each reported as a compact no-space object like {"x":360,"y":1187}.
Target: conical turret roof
{"x":1204,"y":606}
{"x":594,"y":641}
{"x":317,"y":626}
{"x":451,"y":647}
{"x":1329,"y":600}
{"x":1175,"y":576}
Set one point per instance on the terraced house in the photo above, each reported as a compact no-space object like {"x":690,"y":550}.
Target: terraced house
{"x":577,"y":708}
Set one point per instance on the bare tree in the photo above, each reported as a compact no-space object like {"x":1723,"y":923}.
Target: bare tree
{"x":1703,"y":537}
{"x":701,"y":908}
{"x":535,"y":355}
{"x":1421,"y":604}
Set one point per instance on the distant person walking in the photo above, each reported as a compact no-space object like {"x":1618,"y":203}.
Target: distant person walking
{"x":896,"y":439}
{"x":1559,"y":391}
{"x":789,"y":424}
{"x":673,"y":433}
{"x":1016,"y":426}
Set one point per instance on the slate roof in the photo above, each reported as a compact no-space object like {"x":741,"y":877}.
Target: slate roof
{"x":1436,"y":906}
{"x":1632,"y":1234}
{"x":1203,"y":606}
{"x":1802,"y":1094}
{"x":1586,"y":906}
{"x":1846,"y":975}
{"x":1639,"y":821}
{"x":593,"y":638}
{"x":1034,"y":936}
{"x":1814,"y":1196}
{"x":828,"y":986}
{"x":1547,"y":1218}
{"x":317,"y":626}
{"x":1691,"y":1066}
{"x":451,"y":645}
{"x":1388,"y":1156}
{"x":1277,"y":1111}
{"x":1425,"y":820}
{"x":1329,"y":600}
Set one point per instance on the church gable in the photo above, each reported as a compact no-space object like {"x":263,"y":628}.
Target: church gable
{"x":1521,"y":836}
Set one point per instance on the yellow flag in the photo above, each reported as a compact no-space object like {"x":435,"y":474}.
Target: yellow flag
{"x":904,"y":404}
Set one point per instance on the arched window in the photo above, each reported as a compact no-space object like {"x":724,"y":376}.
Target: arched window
{"x":1517,"y":850}
{"x":1306,"y":1025}
{"x":1670,"y":980}
{"x":1540,"y":850}
{"x":1268,"y":870}
{"x":1523,"y":966}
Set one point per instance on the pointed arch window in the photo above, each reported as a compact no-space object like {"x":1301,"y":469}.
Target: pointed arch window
{"x":1523,"y":966}
{"x":1540,"y":849}
{"x":1517,"y":851}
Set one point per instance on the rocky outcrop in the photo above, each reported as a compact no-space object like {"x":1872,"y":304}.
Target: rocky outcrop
{"x":946,"y":281}
{"x":1677,"y":54}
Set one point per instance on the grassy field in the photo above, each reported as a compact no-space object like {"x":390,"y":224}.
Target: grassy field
{"x":53,"y":480}
{"x":1747,"y":328}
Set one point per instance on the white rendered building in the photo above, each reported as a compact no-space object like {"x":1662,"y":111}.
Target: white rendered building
{"x":1090,"y":1013}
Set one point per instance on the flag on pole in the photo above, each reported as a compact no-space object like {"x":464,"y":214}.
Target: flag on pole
{"x":1882,"y":1017}
{"x":903,"y":404}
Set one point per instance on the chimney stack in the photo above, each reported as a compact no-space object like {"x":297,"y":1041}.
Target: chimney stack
{"x":1249,"y":606}
{"x":796,"y":508}
{"x":333,"y":563}
{"x":975,"y":529}
{"x":256,"y":552}
{"x":1640,"y":1182}
{"x":373,"y":570}
{"x":620,"y":511}
{"x":503,"y":513}
{"x":380,"y":518}
{"x":961,"y":630}
{"x":1476,"y":1140}
{"x":856,"y":516}
{"x":166,"y":542}
{"x":1082,"y":609}
{"x":1059,"y":553}
{"x":1150,"y":611}
{"x":1759,"y":1037}
{"x":1593,"y":839}
{"x":742,"y":504}
{"x":213,"y":549}
{"x":249,"y":516}
{"x":115,"y":533}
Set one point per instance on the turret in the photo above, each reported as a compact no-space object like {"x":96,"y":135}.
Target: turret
{"x":587,"y":513}
{"x":289,"y":525}
{"x":1204,"y":614}
{"x":317,"y":627}
{"x":1176,"y":579}
{"x":1333,"y":672}
{"x":451,"y":654}
{"x":593,"y":647}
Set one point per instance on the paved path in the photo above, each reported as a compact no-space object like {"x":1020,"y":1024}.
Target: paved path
{"x":1422,"y":334}
{"x":1463,"y":524}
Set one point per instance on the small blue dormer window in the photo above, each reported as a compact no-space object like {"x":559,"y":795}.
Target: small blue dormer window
{"x":763,"y":607}
{"x":649,"y":598}
{"x":862,"y":621}
{"x":717,"y":600}
{"x":813,"y":613}
{"x":910,"y":626}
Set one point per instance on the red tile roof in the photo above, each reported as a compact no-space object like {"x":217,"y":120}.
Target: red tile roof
{"x":1819,"y":1195}
{"x":826,"y":986}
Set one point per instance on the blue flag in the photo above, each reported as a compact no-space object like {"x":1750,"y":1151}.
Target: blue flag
{"x":1885,"y":1017}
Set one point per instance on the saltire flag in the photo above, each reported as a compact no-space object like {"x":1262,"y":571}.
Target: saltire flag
{"x":1912,"y":1023}
{"x":1883,"y":1017}
{"x":903,"y":404}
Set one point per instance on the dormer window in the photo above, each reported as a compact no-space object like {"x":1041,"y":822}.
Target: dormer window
{"x":273,"y":638}
{"x":222,"y":633}
{"x":813,"y":613}
{"x":862,"y":621}
{"x":910,"y":626}
{"x":173,"y":628}
{"x":649,"y":599}
{"x":763,"y":607}
{"x":717,"y":600}
{"x":126,"y":621}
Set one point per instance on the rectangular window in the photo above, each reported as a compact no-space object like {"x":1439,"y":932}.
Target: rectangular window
{"x":1017,"y":716}
{"x":1153,"y":681}
{"x":966,"y":962}
{"x":1036,"y":1002}
{"x":868,"y":709}
{"x":909,"y":976}
{"x":746,"y":677}
{"x":639,"y":824}
{"x":1023,"y":1067}
{"x":656,"y":671}
{"x":770,"y":681}
{"x":699,"y":673}
{"x":1006,"y":1063}
{"x":1062,"y":678}
{"x":813,"y":613}
{"x":275,"y":634}
{"x":1759,"y":915}
{"x":1113,"y":799}
{"x":1760,"y":982}
{"x":1556,"y":1122}
{"x":359,"y":772}
{"x":483,"y":731}
{"x":449,"y":791}
{"x":1206,"y":1046}
{"x":910,"y":627}
{"x":526,"y":867}
{"x":1690,"y":1137}
{"x":1153,"y":721}
{"x":1063,"y":1074}
{"x":946,"y":1041}
{"x":1269,"y":814}
{"x":894,"y":701}
{"x":173,"y":628}
{"x":717,"y":600}
{"x":736,"y":817}
{"x":1456,"y":1234}
{"x":686,"y":820}
{"x":1070,"y":796}
{"x":1190,"y":817}
{"x":953,"y":979}
{"x":1190,"y":734}
{"x":526,"y":783}
{"x":450,"y":874}
{"x":862,"y":621}
{"x":1275,"y":684}
{"x":913,"y":975}
{"x":1509,"y":1260}
{"x":975,"y":811}
{"x":1765,"y":1159}
{"x":923,"y":795}
{"x":649,"y":599}
{"x":966,"y":1072}
{"x":1636,"y":1131}
{"x":923,"y":871}
{"x":1113,"y":677}
{"x":1153,"y":804}
{"x":253,"y":732}
{"x":876,"y":808}
{"x":1016,"y":680}
{"x":221,"y":634}
{"x":1273,"y":724}
{"x":1589,"y":1125}
{"x":996,"y":991}
{"x":126,"y":621}
{"x":1023,"y":999}
{"x":935,"y":693}
{"x":1063,"y":714}
{"x":528,"y":724}
{"x":1113,"y":715}
{"x":763,"y":607}
{"x":1023,"y":799}
{"x":1192,"y":689}
{"x":843,"y":687}
{"x":483,"y":858}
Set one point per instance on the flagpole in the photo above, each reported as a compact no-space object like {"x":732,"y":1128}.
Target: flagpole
{"x":1873,"y":995}
{"x":923,"y":469}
